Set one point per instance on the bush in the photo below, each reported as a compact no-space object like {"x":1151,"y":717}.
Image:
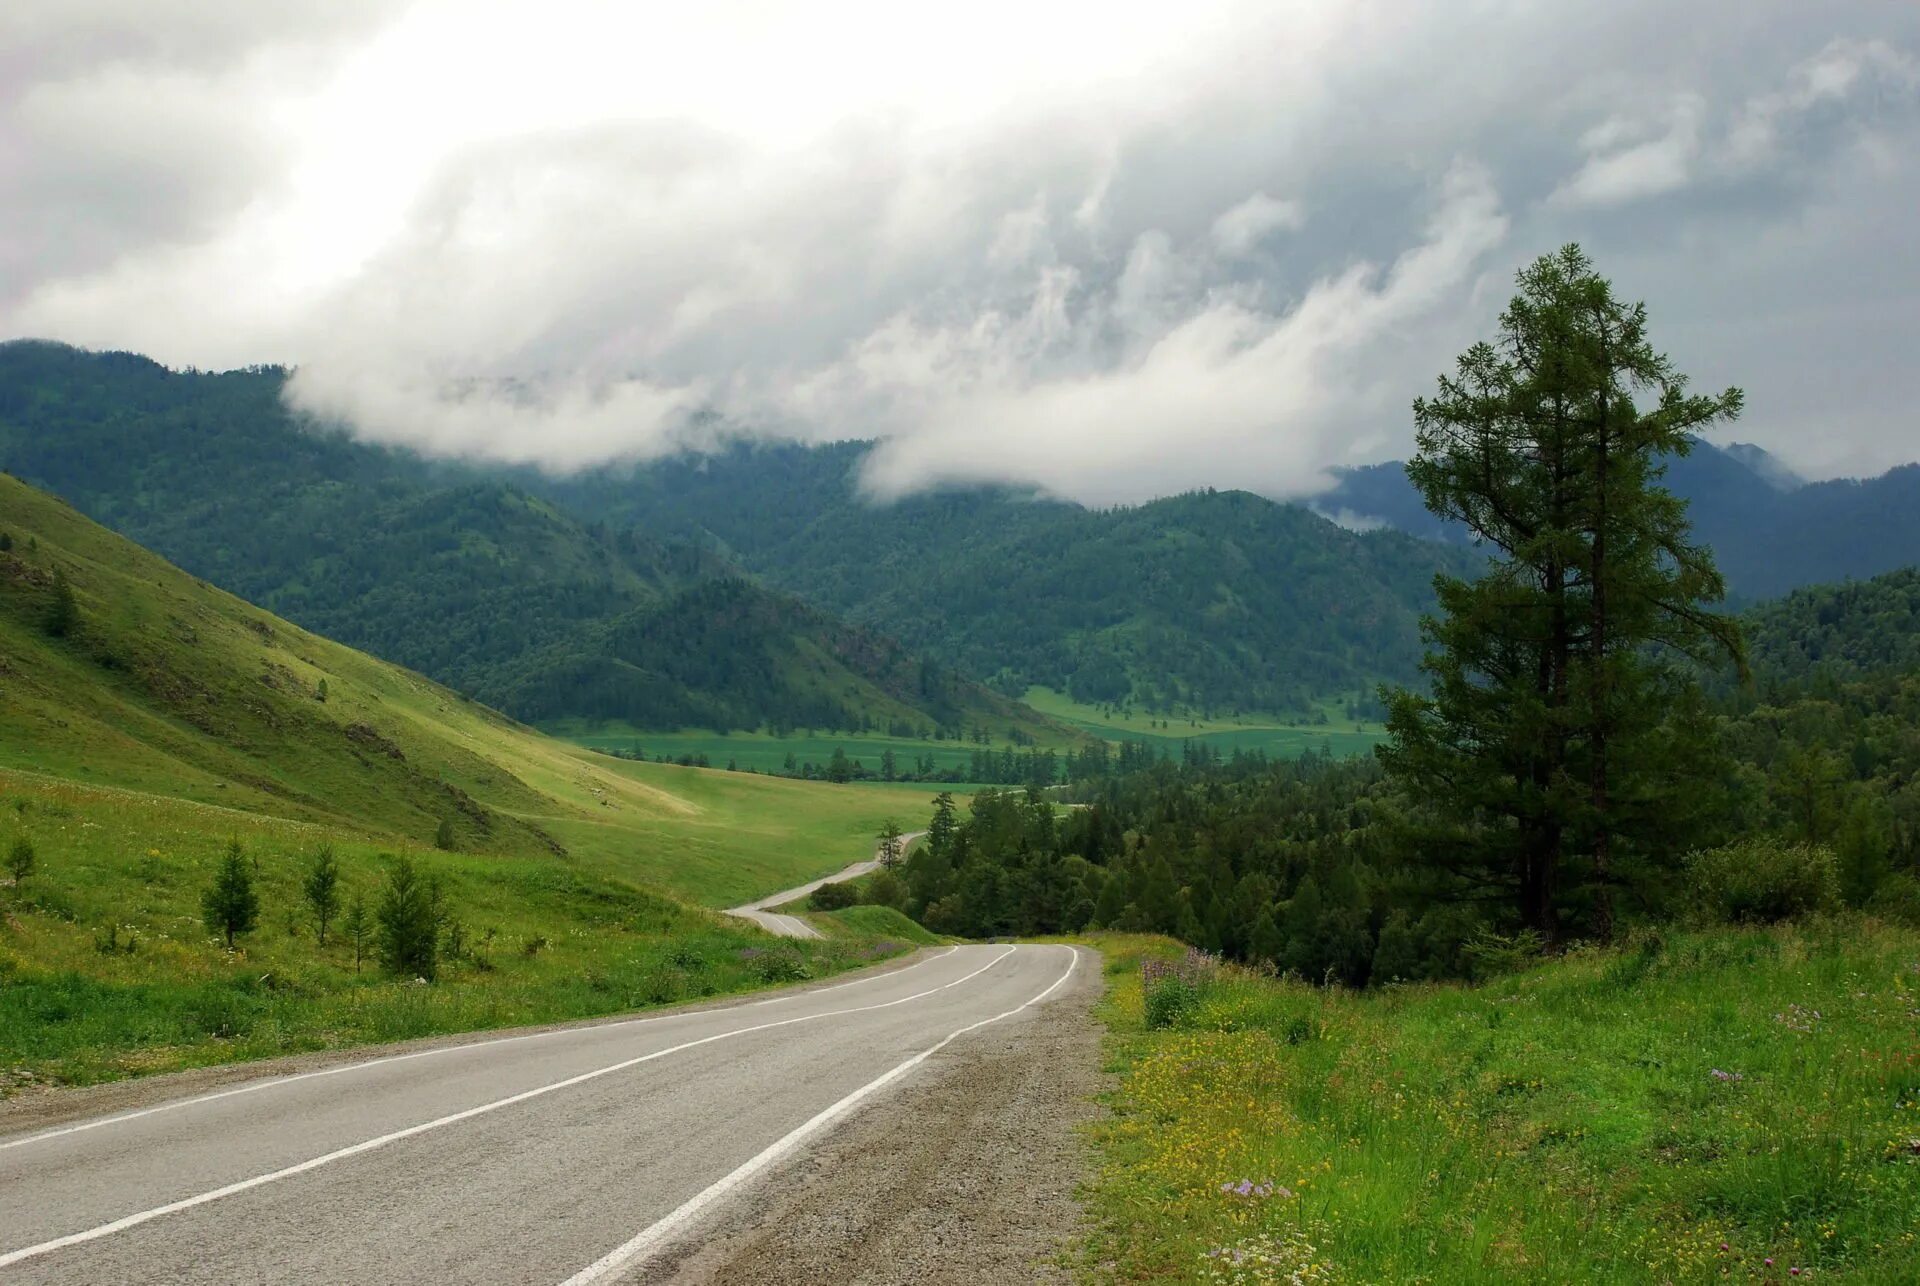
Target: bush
{"x":1172,"y":989}
{"x":1763,"y":880}
{"x":1491,"y":954}
{"x":834,"y":897}
{"x":1168,"y":1001}
{"x":886,"y":888}
{"x":1898,"y":899}
{"x":783,"y":965}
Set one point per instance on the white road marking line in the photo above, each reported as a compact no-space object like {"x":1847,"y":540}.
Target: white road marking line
{"x":654,"y":1238}
{"x":468,"y":1047}
{"x":341,"y":1154}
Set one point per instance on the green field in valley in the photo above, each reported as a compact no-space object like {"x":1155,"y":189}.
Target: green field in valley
{"x":1275,"y":737}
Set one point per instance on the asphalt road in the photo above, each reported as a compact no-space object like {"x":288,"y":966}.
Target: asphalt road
{"x":569,"y":1156}
{"x":792,"y":926}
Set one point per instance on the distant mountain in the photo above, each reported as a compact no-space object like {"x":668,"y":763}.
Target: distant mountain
{"x":1770,"y":532}
{"x":1769,"y":468}
{"x":1220,"y":600}
{"x":457,"y":572}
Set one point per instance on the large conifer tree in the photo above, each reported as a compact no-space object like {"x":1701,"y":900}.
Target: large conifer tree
{"x":1554,"y":751}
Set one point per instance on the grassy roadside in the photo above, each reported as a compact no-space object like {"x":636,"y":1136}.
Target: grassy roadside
{"x":1727,"y":1105}
{"x":107,"y":971}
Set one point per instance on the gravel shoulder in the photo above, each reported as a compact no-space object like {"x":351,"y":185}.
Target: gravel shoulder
{"x":965,"y":1173}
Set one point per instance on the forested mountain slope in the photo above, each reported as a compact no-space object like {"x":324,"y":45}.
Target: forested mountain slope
{"x":1840,"y":631}
{"x":1220,"y":600}
{"x":456,"y":572}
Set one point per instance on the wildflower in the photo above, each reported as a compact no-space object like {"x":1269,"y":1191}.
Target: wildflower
{"x":1719,"y":1075}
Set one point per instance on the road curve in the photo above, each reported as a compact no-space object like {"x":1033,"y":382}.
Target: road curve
{"x":792,"y":926}
{"x":565,"y":1156}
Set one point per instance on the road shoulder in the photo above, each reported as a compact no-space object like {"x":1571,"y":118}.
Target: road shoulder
{"x":965,"y":1173}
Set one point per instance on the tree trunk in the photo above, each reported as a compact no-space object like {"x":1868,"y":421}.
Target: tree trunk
{"x":1601,"y":712}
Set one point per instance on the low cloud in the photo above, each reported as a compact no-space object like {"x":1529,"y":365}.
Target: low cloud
{"x":1117,"y":253}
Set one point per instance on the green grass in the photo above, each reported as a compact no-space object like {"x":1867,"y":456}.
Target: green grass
{"x":1278,"y":738}
{"x":872,"y":923}
{"x":1562,"y":1125}
{"x":106,"y":970}
{"x":766,"y":753}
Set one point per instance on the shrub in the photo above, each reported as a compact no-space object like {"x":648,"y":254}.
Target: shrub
{"x":21,"y":860}
{"x":784,"y":965}
{"x":1172,"y":989}
{"x":1491,"y":954}
{"x":1898,"y":899}
{"x":1763,"y":880}
{"x":833,"y":897}
{"x":1169,"y":1000}
{"x":886,"y":888}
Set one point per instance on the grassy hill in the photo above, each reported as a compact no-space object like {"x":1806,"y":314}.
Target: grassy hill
{"x":454,"y":572}
{"x":148,"y":720}
{"x":165,"y":684}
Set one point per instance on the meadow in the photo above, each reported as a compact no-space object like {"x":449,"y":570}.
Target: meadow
{"x":762,"y":752}
{"x":1276,"y":737}
{"x":1735,"y":1104}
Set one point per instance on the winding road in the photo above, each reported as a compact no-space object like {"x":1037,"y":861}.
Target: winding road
{"x":792,"y":926}
{"x":598,"y":1153}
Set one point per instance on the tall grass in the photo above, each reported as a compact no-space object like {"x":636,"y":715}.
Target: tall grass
{"x":1706,"y":1106}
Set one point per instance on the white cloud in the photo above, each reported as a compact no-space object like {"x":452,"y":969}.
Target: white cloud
{"x":1060,"y":244}
{"x":1628,"y":160}
{"x":1240,"y":231}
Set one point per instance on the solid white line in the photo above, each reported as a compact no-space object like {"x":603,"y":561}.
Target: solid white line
{"x":467,"y":1047}
{"x":341,"y":1154}
{"x":653,"y":1238}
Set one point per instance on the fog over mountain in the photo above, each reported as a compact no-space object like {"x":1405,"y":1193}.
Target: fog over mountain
{"x":1113,"y":251}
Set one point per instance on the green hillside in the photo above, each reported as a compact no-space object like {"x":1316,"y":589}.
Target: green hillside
{"x":1211,"y":603}
{"x":450,"y":571}
{"x":162,"y":684}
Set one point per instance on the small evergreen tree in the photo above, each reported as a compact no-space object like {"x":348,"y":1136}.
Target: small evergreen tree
{"x":230,"y":907}
{"x":322,"y":887}
{"x":320,"y":692}
{"x":443,"y":836}
{"x":20,"y":860}
{"x":409,"y":922}
{"x":941,"y":829}
{"x":891,"y":847}
{"x":63,"y":611}
{"x":358,"y":927}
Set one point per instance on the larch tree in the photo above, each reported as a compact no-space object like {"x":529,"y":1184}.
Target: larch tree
{"x":1559,"y":730}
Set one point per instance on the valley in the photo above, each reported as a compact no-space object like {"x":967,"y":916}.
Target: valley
{"x":1198,"y":792}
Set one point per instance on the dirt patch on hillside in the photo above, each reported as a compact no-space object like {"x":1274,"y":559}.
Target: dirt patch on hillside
{"x":965,"y":1173}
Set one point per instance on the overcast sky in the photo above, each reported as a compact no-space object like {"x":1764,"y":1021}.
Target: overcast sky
{"x":1113,"y":249}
